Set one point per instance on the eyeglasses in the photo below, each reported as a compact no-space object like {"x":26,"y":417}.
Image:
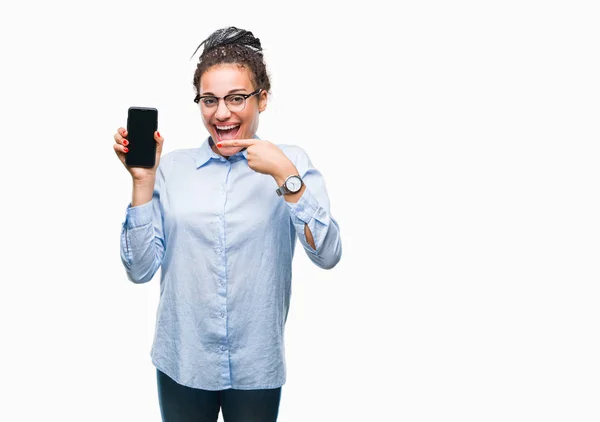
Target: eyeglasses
{"x":234,"y":102}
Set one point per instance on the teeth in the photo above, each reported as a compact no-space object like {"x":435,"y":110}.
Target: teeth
{"x":227,"y":127}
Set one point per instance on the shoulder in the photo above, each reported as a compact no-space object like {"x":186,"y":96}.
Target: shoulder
{"x":294,"y":152}
{"x":298,"y":156}
{"x":180,"y":156}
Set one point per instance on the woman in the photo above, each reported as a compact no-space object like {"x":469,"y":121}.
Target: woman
{"x":221,"y":221}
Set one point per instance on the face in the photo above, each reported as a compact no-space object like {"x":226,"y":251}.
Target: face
{"x":221,"y":123}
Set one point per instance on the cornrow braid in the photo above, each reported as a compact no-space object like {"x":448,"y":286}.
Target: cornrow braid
{"x":233,"y":45}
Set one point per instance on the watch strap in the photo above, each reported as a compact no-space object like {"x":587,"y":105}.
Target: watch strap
{"x":282,"y":190}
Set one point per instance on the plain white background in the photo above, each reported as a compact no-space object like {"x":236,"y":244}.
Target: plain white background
{"x":459,"y":142}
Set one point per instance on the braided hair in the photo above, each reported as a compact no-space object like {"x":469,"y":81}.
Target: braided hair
{"x":233,"y":45}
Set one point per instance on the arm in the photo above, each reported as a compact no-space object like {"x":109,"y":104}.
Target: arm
{"x":294,"y":198}
{"x":318,"y":232}
{"x":309,"y":208}
{"x":142,"y":239}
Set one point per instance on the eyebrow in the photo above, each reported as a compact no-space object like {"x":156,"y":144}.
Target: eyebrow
{"x":230,"y":92}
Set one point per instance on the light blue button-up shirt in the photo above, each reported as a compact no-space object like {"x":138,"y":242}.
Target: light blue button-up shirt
{"x":224,"y":242}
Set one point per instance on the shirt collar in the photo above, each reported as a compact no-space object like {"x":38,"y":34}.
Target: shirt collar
{"x":205,"y":152}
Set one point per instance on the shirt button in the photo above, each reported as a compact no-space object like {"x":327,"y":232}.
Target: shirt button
{"x":223,"y":348}
{"x":222,"y":314}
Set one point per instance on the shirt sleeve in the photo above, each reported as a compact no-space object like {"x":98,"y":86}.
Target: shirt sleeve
{"x":312,"y":209}
{"x":142,"y":238}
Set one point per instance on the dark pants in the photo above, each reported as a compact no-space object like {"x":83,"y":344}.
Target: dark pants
{"x":179,"y":403}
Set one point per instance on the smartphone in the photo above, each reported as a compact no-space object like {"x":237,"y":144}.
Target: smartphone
{"x":142,"y":122}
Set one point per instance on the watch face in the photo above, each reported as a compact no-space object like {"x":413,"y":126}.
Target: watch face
{"x":293,"y":184}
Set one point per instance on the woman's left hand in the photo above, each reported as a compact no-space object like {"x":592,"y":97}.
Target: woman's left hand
{"x":264,"y":157}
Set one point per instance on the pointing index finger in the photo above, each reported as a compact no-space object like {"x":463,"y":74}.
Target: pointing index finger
{"x":244,"y":143}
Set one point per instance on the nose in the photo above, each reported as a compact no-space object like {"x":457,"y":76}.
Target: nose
{"x":222,"y":112}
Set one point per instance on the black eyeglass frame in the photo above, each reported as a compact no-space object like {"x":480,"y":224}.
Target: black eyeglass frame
{"x":246,"y":96}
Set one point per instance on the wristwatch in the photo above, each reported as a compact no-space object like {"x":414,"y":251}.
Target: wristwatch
{"x":292,"y":184}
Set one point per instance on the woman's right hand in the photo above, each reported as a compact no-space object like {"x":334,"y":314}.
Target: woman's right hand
{"x":139,"y":174}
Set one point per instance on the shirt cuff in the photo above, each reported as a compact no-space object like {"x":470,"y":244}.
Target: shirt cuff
{"x":139,"y":215}
{"x":306,"y":207}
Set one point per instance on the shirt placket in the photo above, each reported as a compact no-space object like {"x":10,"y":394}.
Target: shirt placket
{"x":221,"y":309}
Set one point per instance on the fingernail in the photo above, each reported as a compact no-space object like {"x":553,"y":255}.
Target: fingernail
{"x":126,"y":149}
{"x":219,"y":145}
{"x":125,"y":142}
{"x":158,"y":133}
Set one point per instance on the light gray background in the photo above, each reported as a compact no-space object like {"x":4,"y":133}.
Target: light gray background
{"x":459,"y":142}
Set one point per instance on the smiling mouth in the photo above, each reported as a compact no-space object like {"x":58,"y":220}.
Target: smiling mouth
{"x":225,"y":133}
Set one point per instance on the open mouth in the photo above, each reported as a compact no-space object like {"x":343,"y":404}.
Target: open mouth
{"x":225,"y":133}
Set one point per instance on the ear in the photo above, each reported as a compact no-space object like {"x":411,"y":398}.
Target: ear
{"x":262,"y":101}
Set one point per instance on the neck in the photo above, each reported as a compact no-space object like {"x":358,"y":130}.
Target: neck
{"x":215,"y":149}
{"x":212,"y":145}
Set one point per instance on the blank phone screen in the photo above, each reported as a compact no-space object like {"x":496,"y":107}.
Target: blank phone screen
{"x":141,"y":125}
